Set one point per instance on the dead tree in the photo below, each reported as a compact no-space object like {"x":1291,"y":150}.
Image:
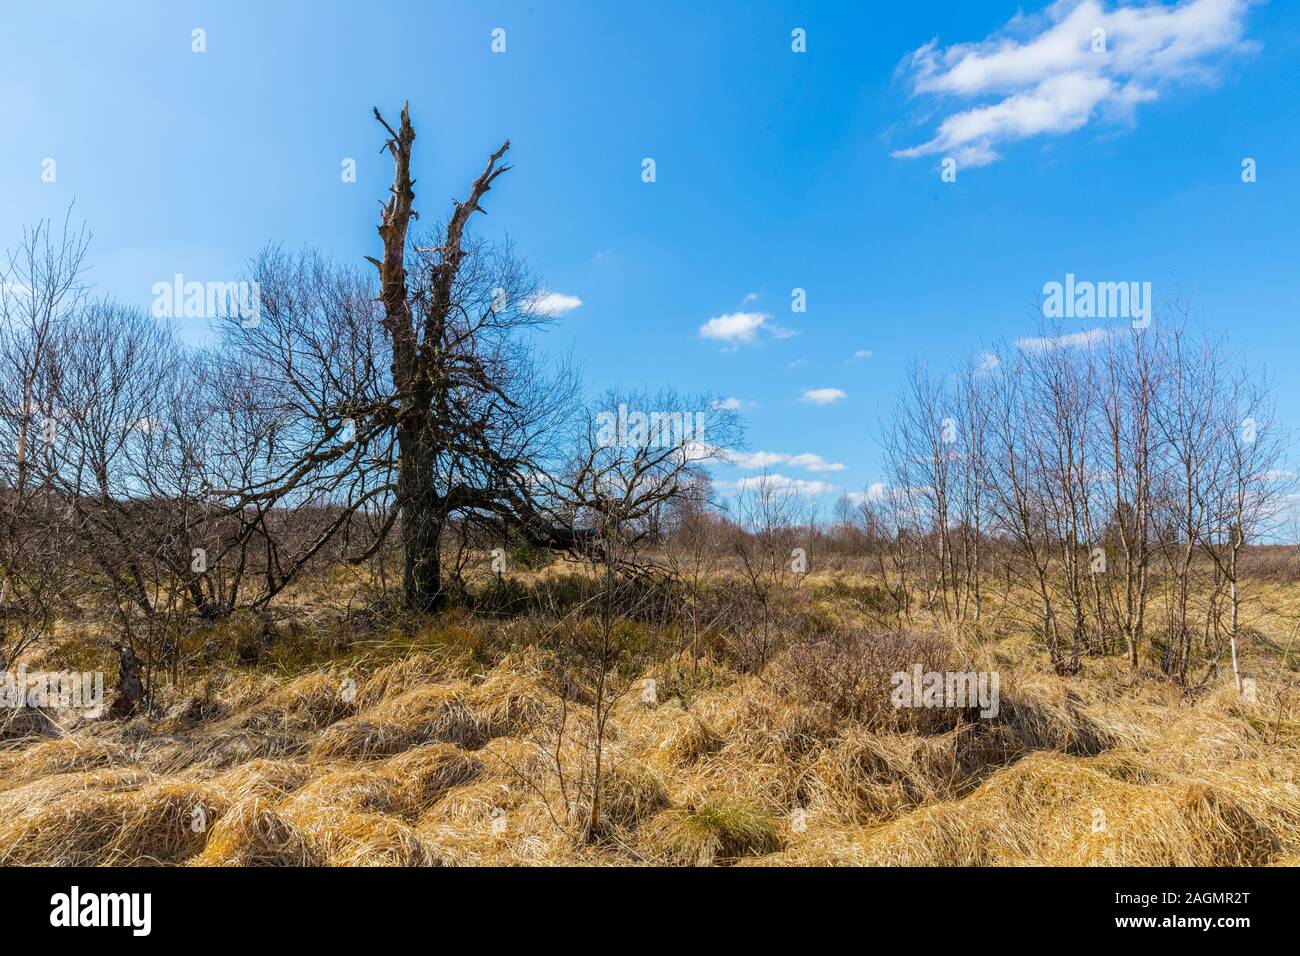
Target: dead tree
{"x":425,"y":401}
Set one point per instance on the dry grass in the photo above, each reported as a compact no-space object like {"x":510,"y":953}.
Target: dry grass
{"x":1053,"y":810}
{"x":718,"y":833}
{"x":252,"y":833}
{"x":428,"y":773}
{"x":60,"y":755}
{"x":418,"y":757}
{"x":163,"y":822}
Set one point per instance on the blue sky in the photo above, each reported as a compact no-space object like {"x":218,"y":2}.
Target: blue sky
{"x":775,"y":170}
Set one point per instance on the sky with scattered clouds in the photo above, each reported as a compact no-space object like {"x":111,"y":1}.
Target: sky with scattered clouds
{"x":801,"y":242}
{"x":1076,"y":63}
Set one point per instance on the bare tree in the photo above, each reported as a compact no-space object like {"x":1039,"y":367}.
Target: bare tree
{"x":624,"y":471}
{"x":40,"y":286}
{"x":1097,"y":469}
{"x":1129,"y":384}
{"x":1246,"y":487}
{"x":427,"y":401}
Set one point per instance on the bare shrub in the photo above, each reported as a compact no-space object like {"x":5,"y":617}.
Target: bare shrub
{"x":849,"y":673}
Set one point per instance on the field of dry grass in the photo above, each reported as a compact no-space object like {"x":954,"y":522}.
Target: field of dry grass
{"x":424,"y":749}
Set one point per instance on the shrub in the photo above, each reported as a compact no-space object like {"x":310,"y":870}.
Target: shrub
{"x":850,"y":673}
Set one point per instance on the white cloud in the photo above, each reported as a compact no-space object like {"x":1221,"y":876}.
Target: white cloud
{"x":749,"y":297}
{"x":728,"y":404}
{"x":797,"y":363}
{"x":758,"y":459}
{"x":742,"y":328}
{"x":735,"y":327}
{"x":784,"y":483}
{"x":823,"y":396}
{"x":695,"y":452}
{"x":1070,"y":340}
{"x":875,"y":492}
{"x":808,"y":461}
{"x":863,"y":354}
{"x":551,"y":304}
{"x":1054,"y":73}
{"x":987,"y":361}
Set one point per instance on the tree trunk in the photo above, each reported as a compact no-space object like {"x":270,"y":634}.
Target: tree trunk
{"x":421,"y":523}
{"x":130,"y":689}
{"x":417,"y":372}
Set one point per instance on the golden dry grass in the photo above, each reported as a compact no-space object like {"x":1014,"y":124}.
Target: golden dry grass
{"x":430,"y":759}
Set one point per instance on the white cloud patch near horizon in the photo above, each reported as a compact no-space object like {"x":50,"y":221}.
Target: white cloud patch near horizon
{"x":783,"y":483}
{"x":875,"y":492}
{"x":551,"y":304}
{"x":823,"y":396}
{"x":1045,"y":77}
{"x":765,"y":459}
{"x":1070,"y":340}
